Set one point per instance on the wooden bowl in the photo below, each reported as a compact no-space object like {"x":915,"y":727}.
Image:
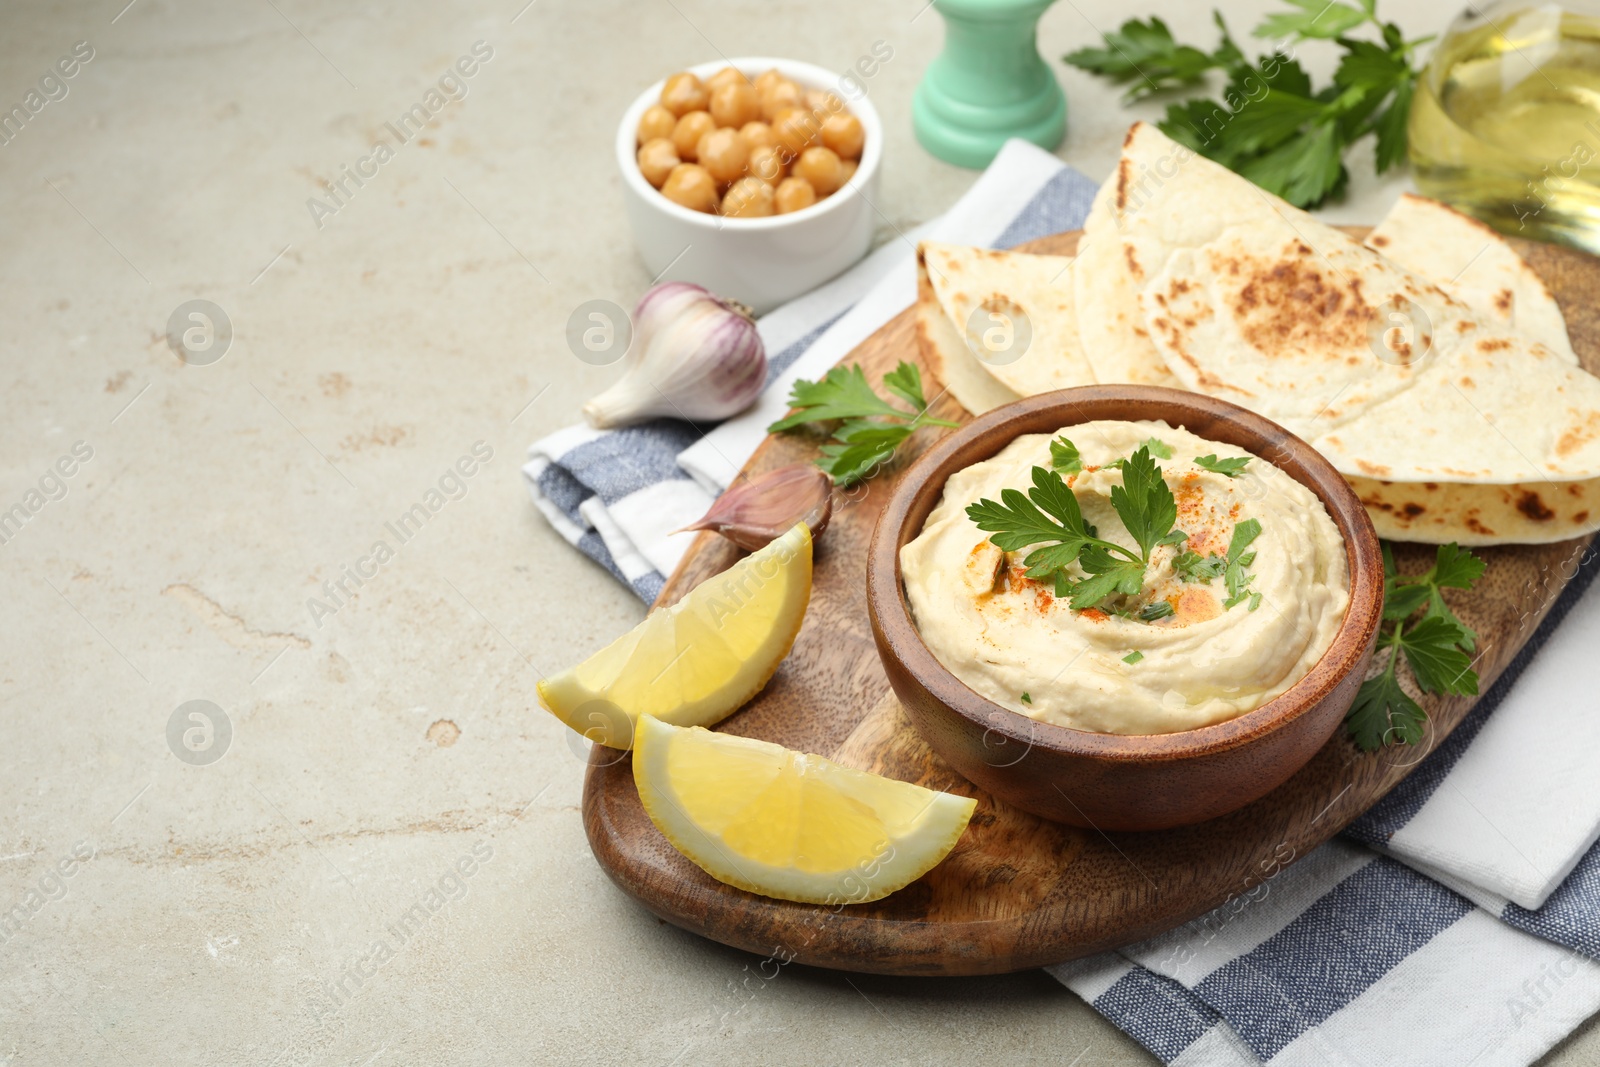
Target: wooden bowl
{"x":1121,"y":781}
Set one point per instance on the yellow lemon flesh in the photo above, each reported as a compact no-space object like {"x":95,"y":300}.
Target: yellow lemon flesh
{"x":764,"y":818}
{"x":697,"y":661}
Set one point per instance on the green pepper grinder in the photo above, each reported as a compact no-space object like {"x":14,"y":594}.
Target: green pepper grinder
{"x":989,"y":83}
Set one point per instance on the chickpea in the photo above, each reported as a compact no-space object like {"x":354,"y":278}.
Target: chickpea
{"x":844,"y":135}
{"x":849,"y":166}
{"x":657,"y":157}
{"x":749,"y":198}
{"x":724,"y":153}
{"x":692,"y":186}
{"x":757,"y":135}
{"x":736,"y":104}
{"x":767,"y":79}
{"x":656,"y":122}
{"x":822,"y":102}
{"x":687,"y":133}
{"x":795,"y":130}
{"x":684,"y":93}
{"x":794,"y":194}
{"x":767,"y":163}
{"x":821,"y":168}
{"x":726,"y":76}
{"x":780,"y":95}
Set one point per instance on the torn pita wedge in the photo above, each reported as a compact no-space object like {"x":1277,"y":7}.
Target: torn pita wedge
{"x":951,"y":362}
{"x":1015,"y":312}
{"x":1111,"y":328}
{"x":1475,"y":265}
{"x":1391,"y":377}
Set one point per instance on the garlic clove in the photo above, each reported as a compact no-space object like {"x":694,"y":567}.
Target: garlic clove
{"x":694,"y":356}
{"x":754,"y":512}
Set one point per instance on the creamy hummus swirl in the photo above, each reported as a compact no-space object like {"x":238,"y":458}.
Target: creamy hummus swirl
{"x":1006,"y":635}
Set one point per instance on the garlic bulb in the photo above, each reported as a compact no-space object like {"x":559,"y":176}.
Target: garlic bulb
{"x":757,"y":511}
{"x":694,"y":356}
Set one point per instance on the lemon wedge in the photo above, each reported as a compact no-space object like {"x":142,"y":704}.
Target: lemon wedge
{"x":765,"y":818}
{"x":697,"y":661}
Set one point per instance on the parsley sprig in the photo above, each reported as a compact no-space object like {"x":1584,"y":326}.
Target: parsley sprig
{"x":1049,"y":517}
{"x":1271,"y":126}
{"x":1437,"y":647}
{"x":869,"y":428}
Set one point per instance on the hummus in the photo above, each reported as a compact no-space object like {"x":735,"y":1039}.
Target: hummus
{"x":1010,"y":639}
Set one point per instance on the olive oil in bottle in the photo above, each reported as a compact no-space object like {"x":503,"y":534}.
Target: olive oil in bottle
{"x":1506,"y":121}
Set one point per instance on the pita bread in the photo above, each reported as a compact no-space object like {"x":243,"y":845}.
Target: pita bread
{"x":1015,"y":312}
{"x":1475,"y":265}
{"x":1294,"y":319}
{"x":1536,"y":512}
{"x":952,"y":363}
{"x":1111,"y":328}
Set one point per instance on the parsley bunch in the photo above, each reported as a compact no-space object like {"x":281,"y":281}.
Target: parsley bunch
{"x":1049,"y":517}
{"x":1271,"y":126}
{"x":1437,"y":646}
{"x":862,"y":440}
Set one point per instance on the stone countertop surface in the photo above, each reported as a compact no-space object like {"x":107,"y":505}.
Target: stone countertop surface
{"x":380,"y":747}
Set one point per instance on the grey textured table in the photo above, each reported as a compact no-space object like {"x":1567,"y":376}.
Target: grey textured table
{"x":386,"y":865}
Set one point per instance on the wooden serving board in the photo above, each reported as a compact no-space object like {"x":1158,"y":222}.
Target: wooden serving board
{"x":1018,"y":891}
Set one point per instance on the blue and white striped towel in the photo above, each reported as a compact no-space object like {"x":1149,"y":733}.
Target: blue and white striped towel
{"x":1456,"y":923}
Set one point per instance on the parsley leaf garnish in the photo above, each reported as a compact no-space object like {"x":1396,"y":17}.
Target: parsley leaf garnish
{"x":1158,"y":448}
{"x":1064,"y":457}
{"x":1229,"y":467}
{"x":1133,"y":657}
{"x":1437,"y":647}
{"x":1143,"y":502}
{"x":1238,"y":559}
{"x":1026,"y":699}
{"x":1232,"y":567}
{"x":1197,"y":569}
{"x":861,"y":442}
{"x":1270,"y":125}
{"x":1156,"y":609}
{"x":1048,"y":519}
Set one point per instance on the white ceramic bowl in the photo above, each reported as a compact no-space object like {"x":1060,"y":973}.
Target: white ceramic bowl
{"x":759,"y":262}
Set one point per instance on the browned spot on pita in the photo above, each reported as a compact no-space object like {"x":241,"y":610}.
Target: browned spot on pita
{"x":1431,"y":486}
{"x":1493,"y":344}
{"x":1581,"y":517}
{"x":1477,"y":527}
{"x":1413,"y":509}
{"x":1531,"y":506}
{"x":1466,"y":326}
{"x":1574,"y":489}
{"x":1467,"y":382}
{"x":1133,"y":261}
{"x":1471,"y":475}
{"x":1502,"y":300}
{"x":1123,"y":166}
{"x":1380,"y":241}
{"x":1377,"y":505}
{"x":1578,"y":436}
{"x":1292,"y":302}
{"x":1374,"y":469}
